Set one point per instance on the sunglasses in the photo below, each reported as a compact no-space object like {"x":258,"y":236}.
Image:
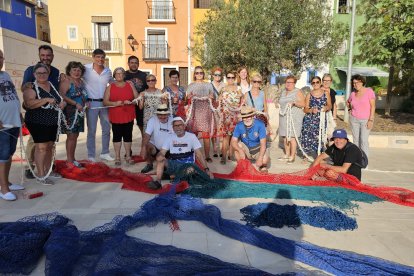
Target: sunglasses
{"x":257,"y":81}
{"x":315,"y":82}
{"x":152,"y":80}
{"x":217,"y":75}
{"x":199,"y":73}
{"x":326,"y":80}
{"x":231,"y":77}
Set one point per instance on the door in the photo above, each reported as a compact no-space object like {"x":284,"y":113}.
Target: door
{"x":104,"y":37}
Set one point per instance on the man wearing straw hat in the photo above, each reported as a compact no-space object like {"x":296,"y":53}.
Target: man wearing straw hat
{"x":249,"y":139}
{"x":159,"y":129}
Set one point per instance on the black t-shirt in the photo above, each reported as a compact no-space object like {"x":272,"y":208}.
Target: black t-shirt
{"x":349,"y":154}
{"x":332,"y":93}
{"x":138,"y":78}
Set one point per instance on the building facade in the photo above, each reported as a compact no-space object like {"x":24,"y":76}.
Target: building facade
{"x":18,"y":16}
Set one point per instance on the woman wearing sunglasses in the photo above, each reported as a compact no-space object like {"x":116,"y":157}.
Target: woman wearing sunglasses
{"x":316,"y":101}
{"x":217,"y":84}
{"x":231,"y":98}
{"x":200,"y":114}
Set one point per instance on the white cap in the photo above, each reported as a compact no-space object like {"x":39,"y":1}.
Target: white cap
{"x":178,"y":119}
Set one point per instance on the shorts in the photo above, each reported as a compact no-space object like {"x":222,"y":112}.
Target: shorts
{"x":8,"y":142}
{"x":122,"y":132}
{"x":250,"y":155}
{"x":154,"y":154}
{"x":42,"y":133}
{"x":174,"y":166}
{"x":139,"y":115}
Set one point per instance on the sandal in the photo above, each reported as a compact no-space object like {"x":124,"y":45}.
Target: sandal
{"x":129,"y":161}
{"x":208,"y":160}
{"x":263,"y":169}
{"x":118,"y":162}
{"x":291,"y":160}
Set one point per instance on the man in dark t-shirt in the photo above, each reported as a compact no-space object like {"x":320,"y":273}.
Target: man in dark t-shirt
{"x":345,"y":157}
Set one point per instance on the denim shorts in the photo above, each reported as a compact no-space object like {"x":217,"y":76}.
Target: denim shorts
{"x":8,"y":142}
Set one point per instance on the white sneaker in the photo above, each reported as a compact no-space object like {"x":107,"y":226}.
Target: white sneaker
{"x":55,"y":175}
{"x":16,"y":187}
{"x":92,"y":159}
{"x":106,"y":157}
{"x":8,"y":196}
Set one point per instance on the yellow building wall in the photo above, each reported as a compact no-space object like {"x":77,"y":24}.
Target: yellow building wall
{"x":79,"y":13}
{"x":198,"y":16}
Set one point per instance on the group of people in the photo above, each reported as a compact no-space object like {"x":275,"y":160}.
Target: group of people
{"x":230,"y":116}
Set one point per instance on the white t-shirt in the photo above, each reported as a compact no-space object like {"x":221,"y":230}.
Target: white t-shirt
{"x":9,"y":102}
{"x":158,"y":131}
{"x":182,"y":149}
{"x":96,"y":83}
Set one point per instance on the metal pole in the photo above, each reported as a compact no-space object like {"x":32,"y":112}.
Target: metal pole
{"x":189,"y":41}
{"x":350,"y":56}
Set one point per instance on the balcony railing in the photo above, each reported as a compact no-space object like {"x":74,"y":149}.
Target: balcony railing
{"x":110,"y":45}
{"x":85,"y":52}
{"x":203,"y":4}
{"x":155,"y":51}
{"x":161,"y":11}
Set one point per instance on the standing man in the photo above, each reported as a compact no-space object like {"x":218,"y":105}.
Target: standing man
{"x":139,"y":79}
{"x":46,"y":57}
{"x":10,"y":123}
{"x":97,"y":77}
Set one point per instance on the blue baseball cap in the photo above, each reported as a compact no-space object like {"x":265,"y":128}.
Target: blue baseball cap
{"x":339,"y":133}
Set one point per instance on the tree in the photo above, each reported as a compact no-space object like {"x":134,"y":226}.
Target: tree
{"x":268,"y":35}
{"x":387,"y":37}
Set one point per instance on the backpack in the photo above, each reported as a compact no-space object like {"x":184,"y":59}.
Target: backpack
{"x":364,"y":162}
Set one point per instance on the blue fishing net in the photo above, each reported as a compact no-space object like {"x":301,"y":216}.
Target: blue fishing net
{"x":278,"y":216}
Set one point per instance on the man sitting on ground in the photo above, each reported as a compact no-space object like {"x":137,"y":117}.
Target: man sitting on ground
{"x":180,"y":148}
{"x":159,"y":129}
{"x":249,"y":139}
{"x":345,"y":156}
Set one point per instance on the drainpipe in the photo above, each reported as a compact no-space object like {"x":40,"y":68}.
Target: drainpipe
{"x":350,"y":56}
{"x":189,"y":41}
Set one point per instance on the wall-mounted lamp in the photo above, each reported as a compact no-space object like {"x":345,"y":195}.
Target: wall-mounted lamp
{"x":132,"y":42}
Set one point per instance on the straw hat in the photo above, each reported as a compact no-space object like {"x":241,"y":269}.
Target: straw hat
{"x":162,"y":109}
{"x":247,"y":111}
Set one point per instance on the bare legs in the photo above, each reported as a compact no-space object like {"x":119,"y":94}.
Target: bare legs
{"x":4,"y":176}
{"x":71,"y":146}
{"x":43,"y":157}
{"x":290,"y":148}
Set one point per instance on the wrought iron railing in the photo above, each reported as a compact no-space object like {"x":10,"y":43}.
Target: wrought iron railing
{"x":203,"y":4}
{"x":110,"y":45}
{"x":153,"y":51}
{"x":85,"y":52}
{"x":161,"y":10}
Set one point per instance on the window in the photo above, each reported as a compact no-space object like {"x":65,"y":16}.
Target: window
{"x":311,"y":73}
{"x":72,"y":33}
{"x":343,"y":6}
{"x":5,"y":5}
{"x":203,"y":4}
{"x":28,"y":12}
{"x":156,"y":47}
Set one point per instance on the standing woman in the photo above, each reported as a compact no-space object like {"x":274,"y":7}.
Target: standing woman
{"x":316,"y":101}
{"x":176,"y":93}
{"x":74,"y":93}
{"x":243,"y":79}
{"x":361,"y":103}
{"x":293,"y":97}
{"x":41,"y":120}
{"x":231,"y":99}
{"x":120,"y":94}
{"x":256,"y":97}
{"x":217,"y":84}
{"x":200,"y":114}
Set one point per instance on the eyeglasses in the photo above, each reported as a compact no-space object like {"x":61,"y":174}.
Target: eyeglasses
{"x":41,"y":73}
{"x":217,"y":75}
{"x":231,"y":77}
{"x":152,"y":80}
{"x":257,"y":81}
{"x":315,"y":82}
{"x":326,"y":80}
{"x":290,"y":82}
{"x":199,"y":73}
{"x":245,"y":118}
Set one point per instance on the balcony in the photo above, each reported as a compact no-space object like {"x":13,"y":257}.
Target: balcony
{"x":111,"y":45}
{"x":161,"y":11}
{"x":155,"y":51}
{"x":203,"y":4}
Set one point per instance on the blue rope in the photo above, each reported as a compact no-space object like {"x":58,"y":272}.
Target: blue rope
{"x":278,"y":216}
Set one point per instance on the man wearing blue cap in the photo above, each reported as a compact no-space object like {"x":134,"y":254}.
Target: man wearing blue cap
{"x":345,"y":156}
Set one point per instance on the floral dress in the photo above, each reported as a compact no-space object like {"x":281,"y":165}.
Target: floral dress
{"x":310,"y":127}
{"x":80,"y":96}
{"x":199,"y":113}
{"x":151,"y":101}
{"x":230,"y":102}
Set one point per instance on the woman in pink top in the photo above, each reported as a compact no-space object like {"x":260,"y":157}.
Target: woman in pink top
{"x":361,"y":104}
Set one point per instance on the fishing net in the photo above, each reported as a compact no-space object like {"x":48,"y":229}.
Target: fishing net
{"x":278,"y":216}
{"x":107,"y":250}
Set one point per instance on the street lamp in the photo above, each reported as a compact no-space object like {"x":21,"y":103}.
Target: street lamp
{"x":132,"y":42}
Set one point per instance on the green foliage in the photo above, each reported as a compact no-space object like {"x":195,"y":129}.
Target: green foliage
{"x":268,"y":35}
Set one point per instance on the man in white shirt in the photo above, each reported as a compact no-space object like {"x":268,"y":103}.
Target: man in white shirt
{"x":181,"y":148}
{"x":159,"y":129}
{"x":97,"y":77}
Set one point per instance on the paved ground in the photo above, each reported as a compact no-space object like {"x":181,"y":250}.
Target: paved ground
{"x":385,"y":230}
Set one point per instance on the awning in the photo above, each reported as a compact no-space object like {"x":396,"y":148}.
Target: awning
{"x":364,"y":71}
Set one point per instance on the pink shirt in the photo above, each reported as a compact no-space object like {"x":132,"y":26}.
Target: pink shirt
{"x":361,"y":107}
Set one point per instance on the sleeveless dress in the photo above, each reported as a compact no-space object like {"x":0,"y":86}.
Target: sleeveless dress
{"x":258,"y":102}
{"x":80,"y":96}
{"x":151,"y":101}
{"x":310,"y":129}
{"x":229,"y":110}
{"x":201,"y":119}
{"x":297,"y":114}
{"x":178,"y":108}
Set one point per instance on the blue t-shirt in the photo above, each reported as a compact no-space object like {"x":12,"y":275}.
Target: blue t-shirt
{"x":250,"y":136}
{"x":53,"y":77}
